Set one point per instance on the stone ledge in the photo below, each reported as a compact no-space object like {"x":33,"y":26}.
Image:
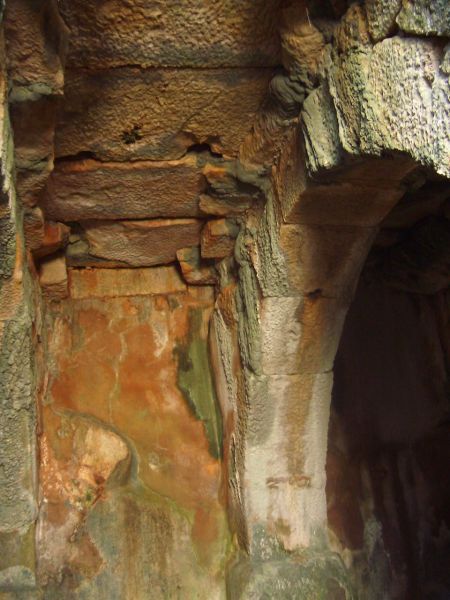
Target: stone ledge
{"x":110,"y":283}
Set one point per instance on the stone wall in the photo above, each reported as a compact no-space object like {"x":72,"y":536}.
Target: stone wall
{"x":198,"y":190}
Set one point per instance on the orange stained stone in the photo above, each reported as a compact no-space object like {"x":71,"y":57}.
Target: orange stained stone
{"x":116,"y":360}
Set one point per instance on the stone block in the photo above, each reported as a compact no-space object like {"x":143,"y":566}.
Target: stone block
{"x":56,"y":235}
{"x":381,"y":17}
{"x":53,"y":278}
{"x":218,"y":238}
{"x":300,"y":335}
{"x":89,"y":189}
{"x":129,"y":113}
{"x":35,"y":35}
{"x":33,"y":124}
{"x":140,"y":243}
{"x":422,"y":17}
{"x":149,"y":34}
{"x":194,"y":272}
{"x":33,"y":227}
{"x":407,"y":104}
{"x":222,"y":206}
{"x":324,"y":260}
{"x":111,"y":283}
{"x":285,"y":467}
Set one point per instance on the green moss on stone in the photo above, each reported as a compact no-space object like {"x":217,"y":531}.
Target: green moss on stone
{"x":195,"y":380}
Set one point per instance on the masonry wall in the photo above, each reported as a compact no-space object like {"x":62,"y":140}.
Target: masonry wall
{"x":196,"y":190}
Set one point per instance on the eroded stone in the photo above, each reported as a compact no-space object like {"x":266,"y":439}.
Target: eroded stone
{"x":218,"y":238}
{"x":128,"y":113}
{"x":53,"y":277}
{"x":140,"y":243}
{"x":100,"y":283}
{"x":90,"y":189}
{"x":149,"y":34}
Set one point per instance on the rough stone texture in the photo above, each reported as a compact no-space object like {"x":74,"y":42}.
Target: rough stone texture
{"x":324,"y":261}
{"x":89,"y":189}
{"x":33,"y":123}
{"x":101,"y":283}
{"x":217,"y":239}
{"x":194,"y":272}
{"x":18,"y":493}
{"x":151,"y":34}
{"x":177,"y":141}
{"x":140,"y":243}
{"x":381,"y":16}
{"x":56,"y":236}
{"x":53,"y":278}
{"x":422,"y":17}
{"x":34,"y":60}
{"x":382,"y":94}
{"x":128,"y":113}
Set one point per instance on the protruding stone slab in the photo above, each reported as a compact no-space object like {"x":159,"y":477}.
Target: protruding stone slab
{"x":53,"y":278}
{"x":89,"y":189}
{"x":56,"y":235}
{"x":110,"y":283}
{"x":140,"y":243}
{"x":194,"y":271}
{"x":151,"y":33}
{"x":157,"y":114}
{"x":218,"y":238}
{"x":222,"y":206}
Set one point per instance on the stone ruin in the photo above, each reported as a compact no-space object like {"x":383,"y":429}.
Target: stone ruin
{"x":224,"y":300}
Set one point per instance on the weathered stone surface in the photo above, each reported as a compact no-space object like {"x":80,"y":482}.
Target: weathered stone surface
{"x":423,"y":17}
{"x":194,"y":271}
{"x":35,"y":35}
{"x":43,"y":237}
{"x":310,"y":342}
{"x":53,"y":277}
{"x":90,"y":189}
{"x":124,"y":442}
{"x":321,"y":131}
{"x":285,"y":457}
{"x":418,"y":97}
{"x":18,"y":375}
{"x":222,"y":207}
{"x":128,"y":113}
{"x":33,"y":227}
{"x":342,"y":204}
{"x":393,"y":97}
{"x":324,"y":260}
{"x":109,"y":283}
{"x":302,"y":44}
{"x":56,"y":236}
{"x":274,"y":574}
{"x":33,"y":125}
{"x":140,"y":243}
{"x":150,"y":34}
{"x":218,"y":238}
{"x":381,"y":16}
